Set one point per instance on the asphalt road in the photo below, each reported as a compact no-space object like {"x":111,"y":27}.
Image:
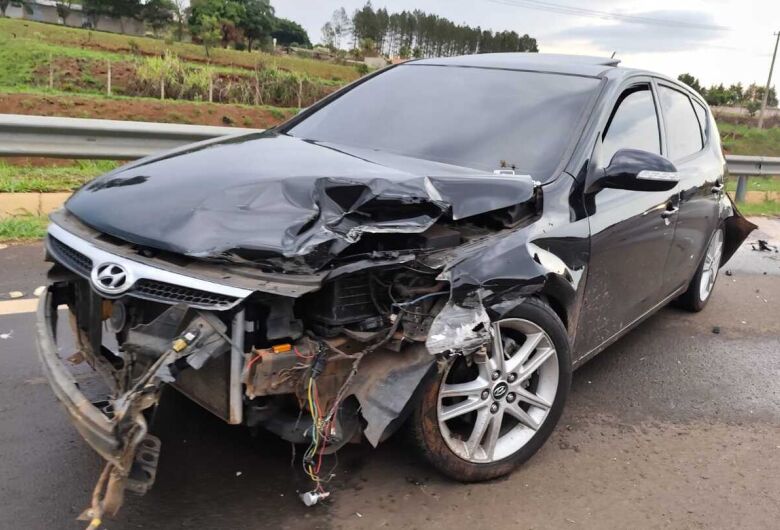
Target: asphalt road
{"x":674,"y":426}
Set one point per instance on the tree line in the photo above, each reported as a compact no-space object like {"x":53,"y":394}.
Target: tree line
{"x":241,"y":23}
{"x":416,"y":34}
{"x":734,"y":95}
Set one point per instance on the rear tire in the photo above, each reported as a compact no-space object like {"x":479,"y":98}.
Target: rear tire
{"x":481,"y":420}
{"x":703,"y":282}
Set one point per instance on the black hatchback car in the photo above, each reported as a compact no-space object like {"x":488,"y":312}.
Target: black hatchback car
{"x":437,"y":245}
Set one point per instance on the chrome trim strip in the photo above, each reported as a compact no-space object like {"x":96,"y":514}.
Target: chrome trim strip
{"x":235,"y":401}
{"x":137,"y":271}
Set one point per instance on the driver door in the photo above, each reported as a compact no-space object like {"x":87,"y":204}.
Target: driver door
{"x":631,"y":231}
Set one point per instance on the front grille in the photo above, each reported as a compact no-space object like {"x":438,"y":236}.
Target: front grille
{"x":80,"y":257}
{"x":71,"y":258}
{"x":175,"y":294}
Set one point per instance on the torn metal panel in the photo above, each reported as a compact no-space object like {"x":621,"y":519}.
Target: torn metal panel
{"x":383,"y":385}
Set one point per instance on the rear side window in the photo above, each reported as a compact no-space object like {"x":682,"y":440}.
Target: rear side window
{"x":633,"y":125}
{"x":682,"y":125}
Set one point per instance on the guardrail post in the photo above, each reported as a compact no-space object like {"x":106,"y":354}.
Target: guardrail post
{"x":741,"y":188}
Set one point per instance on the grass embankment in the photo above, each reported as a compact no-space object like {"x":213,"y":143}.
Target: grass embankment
{"x":768,"y":208}
{"x":744,"y":140}
{"x":25,"y":179}
{"x":52,"y":38}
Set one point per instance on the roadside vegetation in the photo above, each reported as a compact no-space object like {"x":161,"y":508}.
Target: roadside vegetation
{"x":767,"y":208}
{"x":22,"y":228}
{"x":53,"y":70}
{"x":47,"y":179}
{"x":741,"y":139}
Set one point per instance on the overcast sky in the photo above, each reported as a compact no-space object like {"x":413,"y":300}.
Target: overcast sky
{"x":740,"y":51}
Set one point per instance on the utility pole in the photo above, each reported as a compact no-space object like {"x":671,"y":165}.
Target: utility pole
{"x":768,"y":83}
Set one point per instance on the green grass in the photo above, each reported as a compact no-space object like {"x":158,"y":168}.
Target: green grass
{"x":744,"y":140}
{"x":769,"y":208}
{"x":21,"y":179}
{"x":23,"y":227}
{"x":74,"y":42}
{"x":756,"y":184}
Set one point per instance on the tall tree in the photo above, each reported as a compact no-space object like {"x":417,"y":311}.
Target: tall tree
{"x":689,"y":80}
{"x":337,"y":28}
{"x":421,"y":34}
{"x":158,"y":14}
{"x":180,"y":8}
{"x":229,"y":14}
{"x":286,"y":32}
{"x":64,"y":9}
{"x":257,"y":21}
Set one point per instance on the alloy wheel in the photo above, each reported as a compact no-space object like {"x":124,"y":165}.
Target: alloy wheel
{"x":711,"y":265}
{"x":490,"y":406}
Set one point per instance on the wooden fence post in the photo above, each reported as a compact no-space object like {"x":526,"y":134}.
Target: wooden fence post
{"x":108,"y":78}
{"x":51,"y":72}
{"x":211,"y":87}
{"x":162,"y":87}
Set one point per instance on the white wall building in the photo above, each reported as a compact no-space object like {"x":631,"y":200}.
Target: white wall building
{"x":46,"y":11}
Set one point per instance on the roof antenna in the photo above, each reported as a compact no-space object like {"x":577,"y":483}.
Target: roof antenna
{"x":613,"y":55}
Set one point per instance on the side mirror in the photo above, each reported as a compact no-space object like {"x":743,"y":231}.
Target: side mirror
{"x":633,"y":169}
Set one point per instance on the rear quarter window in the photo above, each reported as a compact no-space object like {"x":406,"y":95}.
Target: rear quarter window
{"x":701,"y":113}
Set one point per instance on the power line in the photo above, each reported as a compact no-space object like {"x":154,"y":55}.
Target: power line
{"x":604,"y":15}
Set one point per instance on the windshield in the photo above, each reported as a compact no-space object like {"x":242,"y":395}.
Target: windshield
{"x":473,"y":117}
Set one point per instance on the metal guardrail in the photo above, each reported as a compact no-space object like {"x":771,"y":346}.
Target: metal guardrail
{"x":97,"y":139}
{"x":751,"y":166}
{"x":125,"y":140}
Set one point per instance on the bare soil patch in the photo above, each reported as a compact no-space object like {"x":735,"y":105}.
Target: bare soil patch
{"x":143,"y":109}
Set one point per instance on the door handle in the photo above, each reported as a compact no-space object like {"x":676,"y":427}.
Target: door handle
{"x":670,"y":212}
{"x":718,"y":188}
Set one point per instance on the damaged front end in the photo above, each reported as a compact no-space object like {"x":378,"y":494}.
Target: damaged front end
{"x":323,"y":347}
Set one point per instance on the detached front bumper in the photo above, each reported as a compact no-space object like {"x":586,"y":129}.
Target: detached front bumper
{"x":95,"y":427}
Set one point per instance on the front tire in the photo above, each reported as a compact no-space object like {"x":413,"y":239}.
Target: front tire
{"x":700,"y":289}
{"x":480,"y":418}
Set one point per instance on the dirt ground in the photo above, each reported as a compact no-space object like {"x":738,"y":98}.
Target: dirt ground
{"x":142,"y":109}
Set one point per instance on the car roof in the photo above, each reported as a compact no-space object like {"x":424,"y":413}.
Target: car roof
{"x":539,"y":62}
{"x":585,"y":65}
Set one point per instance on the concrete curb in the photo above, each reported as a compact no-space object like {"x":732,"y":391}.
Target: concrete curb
{"x":13,"y":204}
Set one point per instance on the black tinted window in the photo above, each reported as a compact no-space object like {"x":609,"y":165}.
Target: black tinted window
{"x":634,"y":125}
{"x":682,"y":126}
{"x":472,"y":117}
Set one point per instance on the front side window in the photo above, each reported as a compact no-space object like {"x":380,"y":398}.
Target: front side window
{"x":633,"y":125}
{"x":480,"y":118}
{"x":682,"y":126}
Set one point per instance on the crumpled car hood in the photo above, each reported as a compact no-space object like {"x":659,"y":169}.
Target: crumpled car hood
{"x":282,"y":195}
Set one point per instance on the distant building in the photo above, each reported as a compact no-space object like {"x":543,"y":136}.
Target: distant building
{"x":46,"y":11}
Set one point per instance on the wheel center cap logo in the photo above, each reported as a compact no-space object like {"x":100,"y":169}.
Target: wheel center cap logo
{"x":500,"y":390}
{"x":110,"y":278}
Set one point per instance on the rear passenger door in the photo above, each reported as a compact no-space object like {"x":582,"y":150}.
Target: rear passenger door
{"x":686,"y":125}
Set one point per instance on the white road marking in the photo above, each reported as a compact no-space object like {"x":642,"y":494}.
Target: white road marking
{"x":17,"y":307}
{"x":16,"y":294}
